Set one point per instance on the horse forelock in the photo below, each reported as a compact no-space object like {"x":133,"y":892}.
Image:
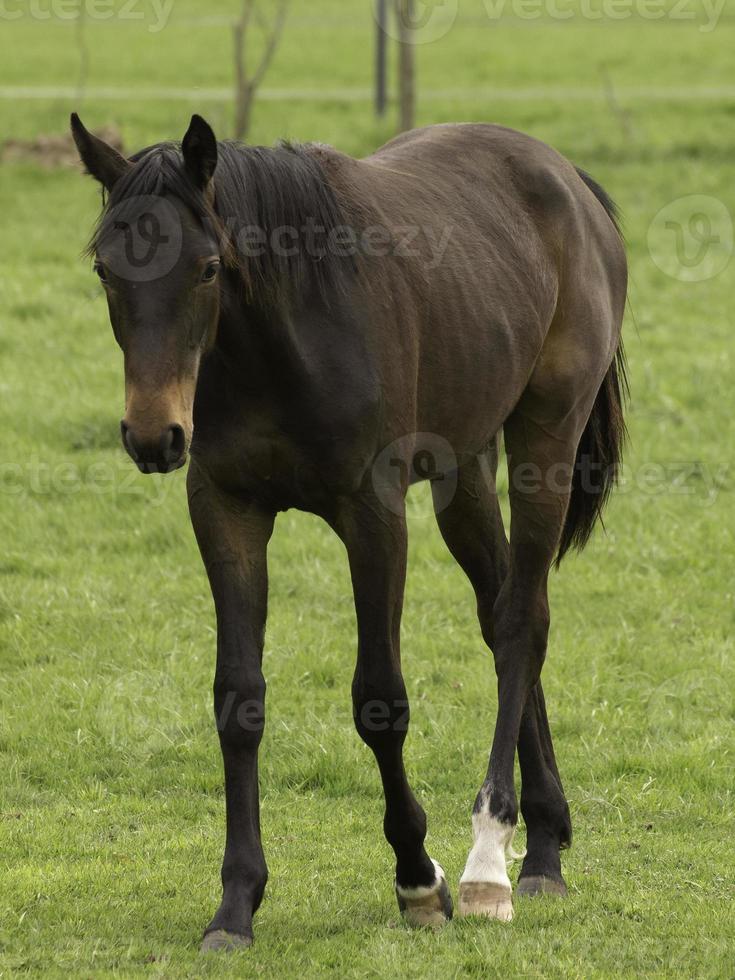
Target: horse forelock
{"x":272,"y":192}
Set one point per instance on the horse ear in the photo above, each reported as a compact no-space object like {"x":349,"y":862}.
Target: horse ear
{"x":100,"y":159}
{"x":199,"y":147}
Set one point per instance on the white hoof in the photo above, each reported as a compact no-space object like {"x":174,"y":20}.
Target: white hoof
{"x":484,"y":888}
{"x":485,"y":898}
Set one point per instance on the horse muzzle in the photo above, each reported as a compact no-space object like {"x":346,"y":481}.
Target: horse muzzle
{"x":162,"y":452}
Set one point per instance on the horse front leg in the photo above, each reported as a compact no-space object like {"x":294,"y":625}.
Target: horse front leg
{"x":376,"y":543}
{"x":233,"y":537}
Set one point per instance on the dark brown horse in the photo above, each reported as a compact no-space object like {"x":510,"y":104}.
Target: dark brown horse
{"x":319,"y":332}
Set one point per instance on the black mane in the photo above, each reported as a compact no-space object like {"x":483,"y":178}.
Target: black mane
{"x":283,"y":187}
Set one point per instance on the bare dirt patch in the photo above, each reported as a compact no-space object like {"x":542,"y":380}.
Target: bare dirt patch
{"x":54,"y":151}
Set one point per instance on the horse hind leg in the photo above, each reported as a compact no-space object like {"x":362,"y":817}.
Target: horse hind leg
{"x":541,"y":437}
{"x":520,"y":631}
{"x":472,"y":527}
{"x":485,"y":886}
{"x":543,"y":803}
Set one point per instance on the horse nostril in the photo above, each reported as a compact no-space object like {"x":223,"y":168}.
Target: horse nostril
{"x":128,"y":443}
{"x":173,"y":444}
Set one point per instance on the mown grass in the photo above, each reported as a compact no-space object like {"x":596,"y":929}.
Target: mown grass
{"x":111,"y":809}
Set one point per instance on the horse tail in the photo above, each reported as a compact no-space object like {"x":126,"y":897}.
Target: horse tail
{"x":600,"y":449}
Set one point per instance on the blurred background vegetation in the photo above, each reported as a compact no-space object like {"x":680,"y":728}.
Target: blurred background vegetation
{"x":111,"y":810}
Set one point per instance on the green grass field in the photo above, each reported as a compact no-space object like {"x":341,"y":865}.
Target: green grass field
{"x":111,"y":802}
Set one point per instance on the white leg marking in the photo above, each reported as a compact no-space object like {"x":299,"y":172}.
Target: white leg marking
{"x":487,"y":859}
{"x":423,"y":891}
{"x":484,"y":888}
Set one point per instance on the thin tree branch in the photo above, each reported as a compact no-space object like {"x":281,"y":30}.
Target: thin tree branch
{"x":80,"y":34}
{"x":272,"y":43}
{"x":246,"y":84}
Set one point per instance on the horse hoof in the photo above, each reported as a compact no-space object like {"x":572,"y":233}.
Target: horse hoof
{"x":485,"y":898}
{"x":227,"y":942}
{"x":541,"y":885}
{"x":426,"y":908}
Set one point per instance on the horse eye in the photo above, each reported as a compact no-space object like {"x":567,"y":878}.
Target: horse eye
{"x":101,"y":271}
{"x":210,"y":272}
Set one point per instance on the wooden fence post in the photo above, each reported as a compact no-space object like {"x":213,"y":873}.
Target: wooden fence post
{"x":381,"y":57}
{"x":406,"y":64}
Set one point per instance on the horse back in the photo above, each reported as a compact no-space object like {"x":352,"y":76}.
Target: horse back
{"x":490,"y":228}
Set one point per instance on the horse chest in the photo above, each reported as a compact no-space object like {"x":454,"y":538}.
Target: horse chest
{"x":259,"y":458}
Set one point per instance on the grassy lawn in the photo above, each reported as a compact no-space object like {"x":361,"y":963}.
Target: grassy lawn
{"x":111,"y":802}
